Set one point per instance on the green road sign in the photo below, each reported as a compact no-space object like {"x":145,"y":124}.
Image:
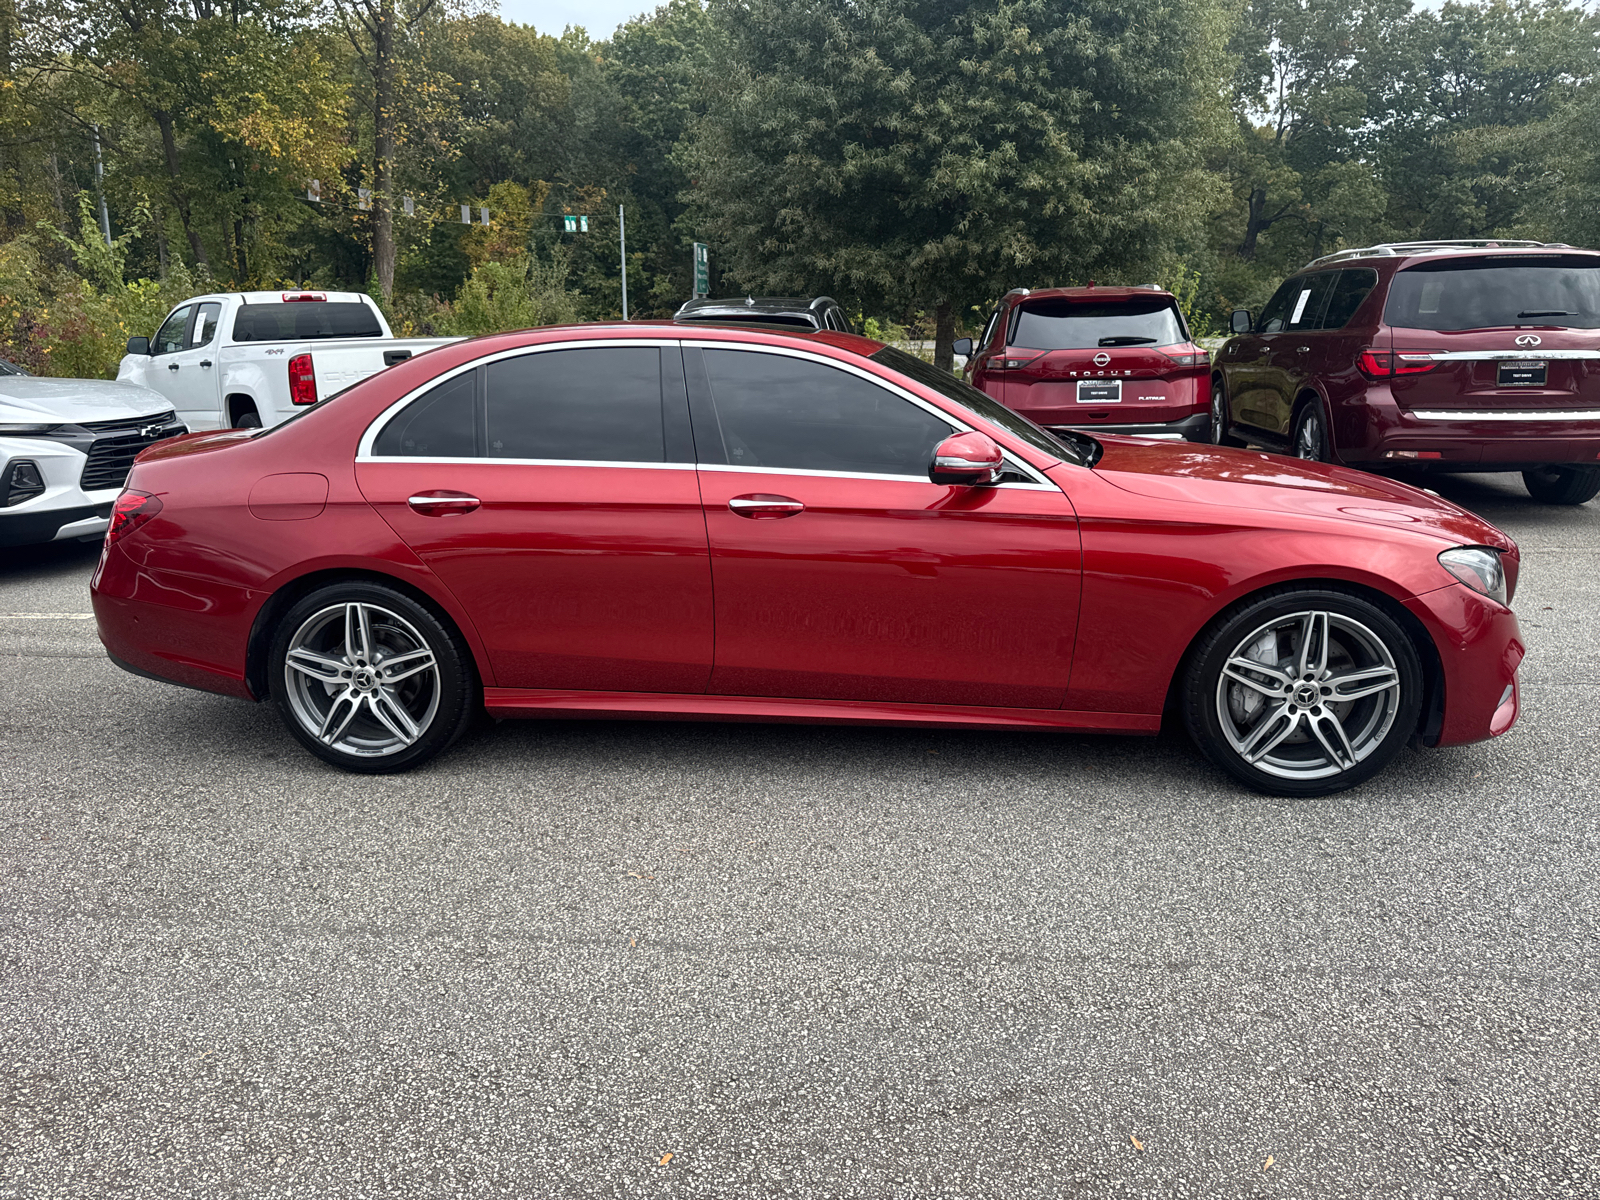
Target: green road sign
{"x":702,"y":270}
{"x":571,"y":224}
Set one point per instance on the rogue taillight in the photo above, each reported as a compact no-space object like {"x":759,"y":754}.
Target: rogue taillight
{"x":1199,"y":359}
{"x":1377,"y":364}
{"x":302,"y":380}
{"x":131,"y":510}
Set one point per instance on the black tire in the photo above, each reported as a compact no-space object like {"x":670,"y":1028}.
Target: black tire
{"x":1562,"y":485}
{"x":1310,"y":437}
{"x":369,"y":724}
{"x":1218,"y":427}
{"x":1285,"y":742}
{"x":248,"y":419}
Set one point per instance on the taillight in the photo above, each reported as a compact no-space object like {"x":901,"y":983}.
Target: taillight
{"x":131,"y":510}
{"x":294,"y":297}
{"x":1199,"y":359}
{"x":1378,"y":364}
{"x":302,"y":380}
{"x":1011,"y":364}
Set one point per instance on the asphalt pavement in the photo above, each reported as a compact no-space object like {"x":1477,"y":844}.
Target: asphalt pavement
{"x":598,"y":959}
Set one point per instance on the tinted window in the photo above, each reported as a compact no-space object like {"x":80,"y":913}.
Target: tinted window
{"x":1073,"y":325}
{"x":10,"y":368}
{"x":440,"y":423}
{"x":304,"y":320}
{"x":169,"y":338}
{"x":205,"y":325}
{"x":1480,"y":293}
{"x":1277,"y":309}
{"x":980,"y":405}
{"x":600,"y":405}
{"x":792,"y":413}
{"x":1308,"y":300}
{"x":1353,"y":287}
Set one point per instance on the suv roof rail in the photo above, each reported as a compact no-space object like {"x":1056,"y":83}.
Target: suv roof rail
{"x":1393,"y":249}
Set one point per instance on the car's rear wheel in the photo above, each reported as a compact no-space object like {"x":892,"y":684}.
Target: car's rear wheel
{"x":1311,"y":434}
{"x":369,"y":680}
{"x":1303,"y":692}
{"x":1562,"y":485}
{"x":1219,"y":418}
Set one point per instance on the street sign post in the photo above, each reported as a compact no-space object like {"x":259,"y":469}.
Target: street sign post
{"x":702,"y":270}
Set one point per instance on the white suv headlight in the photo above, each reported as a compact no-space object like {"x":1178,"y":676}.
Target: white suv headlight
{"x":1479,"y":568}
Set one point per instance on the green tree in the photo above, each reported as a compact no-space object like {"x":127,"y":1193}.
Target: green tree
{"x":925,"y":154}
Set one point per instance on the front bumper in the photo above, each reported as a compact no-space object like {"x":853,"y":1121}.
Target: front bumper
{"x":1480,"y":648}
{"x":1196,"y":428}
{"x":29,"y":526}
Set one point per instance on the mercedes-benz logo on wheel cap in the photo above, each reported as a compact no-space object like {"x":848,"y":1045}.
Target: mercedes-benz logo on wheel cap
{"x":1529,"y":339}
{"x":1101,"y":359}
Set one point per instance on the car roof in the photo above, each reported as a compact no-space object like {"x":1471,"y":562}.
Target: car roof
{"x":1092,"y":292}
{"x":1405,"y":252}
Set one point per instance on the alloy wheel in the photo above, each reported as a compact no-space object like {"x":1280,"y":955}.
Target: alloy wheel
{"x":1308,"y":695}
{"x":361,"y":680}
{"x":1219,"y":417}
{"x":1310,"y":442}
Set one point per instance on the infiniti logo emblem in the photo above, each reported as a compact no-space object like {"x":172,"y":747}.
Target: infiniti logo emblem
{"x":1102,"y":358}
{"x":1529,"y":339}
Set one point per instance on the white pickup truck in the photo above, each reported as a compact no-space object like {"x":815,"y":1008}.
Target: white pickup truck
{"x":239,"y":360}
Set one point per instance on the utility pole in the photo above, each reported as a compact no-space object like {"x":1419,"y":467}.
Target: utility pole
{"x":622,"y":237}
{"x":99,"y":187}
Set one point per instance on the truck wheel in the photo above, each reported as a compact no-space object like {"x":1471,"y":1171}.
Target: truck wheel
{"x":1562,"y":485}
{"x":248,"y":419}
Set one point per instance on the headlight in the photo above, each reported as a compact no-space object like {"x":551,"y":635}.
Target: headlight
{"x":1479,"y":568}
{"x":24,"y":429}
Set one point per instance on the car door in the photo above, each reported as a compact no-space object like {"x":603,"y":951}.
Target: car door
{"x":1297,"y":350}
{"x":1253,"y":395}
{"x":553,"y":491}
{"x":843,"y":573}
{"x":163,"y":374}
{"x":191,"y":372}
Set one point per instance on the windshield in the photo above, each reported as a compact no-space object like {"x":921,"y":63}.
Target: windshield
{"x":1076,"y":325}
{"x":1484,"y":293}
{"x":975,"y":402}
{"x":305,"y":320}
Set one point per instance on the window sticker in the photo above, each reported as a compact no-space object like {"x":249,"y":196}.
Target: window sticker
{"x":1300,"y":307}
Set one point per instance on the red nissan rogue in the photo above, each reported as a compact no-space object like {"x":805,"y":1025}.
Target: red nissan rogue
{"x":707,"y":523}
{"x":1100,"y":359}
{"x":1448,"y":356}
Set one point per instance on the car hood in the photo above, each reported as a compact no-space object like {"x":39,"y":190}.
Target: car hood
{"x":1273,"y":483}
{"x":28,"y":399}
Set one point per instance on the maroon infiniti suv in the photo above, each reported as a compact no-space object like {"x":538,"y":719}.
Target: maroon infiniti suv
{"x":1449,"y":356}
{"x":1111,"y":359}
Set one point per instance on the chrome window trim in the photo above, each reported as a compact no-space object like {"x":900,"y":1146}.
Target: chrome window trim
{"x":809,"y":474}
{"x":1500,"y":414}
{"x":370,"y":435}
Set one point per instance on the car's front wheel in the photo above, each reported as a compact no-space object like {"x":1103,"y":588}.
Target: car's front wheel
{"x":1302,"y":692}
{"x":369,"y":680}
{"x":1562,"y":485}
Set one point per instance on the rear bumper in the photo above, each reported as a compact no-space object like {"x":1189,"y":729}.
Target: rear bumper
{"x":1480,"y":648}
{"x":1194,"y":428}
{"x":1464,"y":436}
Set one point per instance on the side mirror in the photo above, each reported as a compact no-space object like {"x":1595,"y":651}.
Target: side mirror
{"x":963,"y":347}
{"x":138,"y":346}
{"x":971,"y":459}
{"x":1240,"y":321}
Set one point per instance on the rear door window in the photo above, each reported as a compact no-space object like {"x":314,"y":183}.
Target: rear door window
{"x":1308,"y":301}
{"x":1493,"y":291}
{"x":304,"y":320}
{"x":588,"y":405}
{"x":1087,"y":325}
{"x":1354,"y":286}
{"x":786,"y":413}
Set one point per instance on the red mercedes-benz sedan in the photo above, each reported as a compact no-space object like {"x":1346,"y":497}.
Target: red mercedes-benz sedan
{"x":737,"y":524}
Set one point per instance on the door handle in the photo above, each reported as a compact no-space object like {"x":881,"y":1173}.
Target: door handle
{"x":1304,"y":349}
{"x":205,"y":362}
{"x":443,"y":504}
{"x":762,"y":506}
{"x":172,"y":366}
